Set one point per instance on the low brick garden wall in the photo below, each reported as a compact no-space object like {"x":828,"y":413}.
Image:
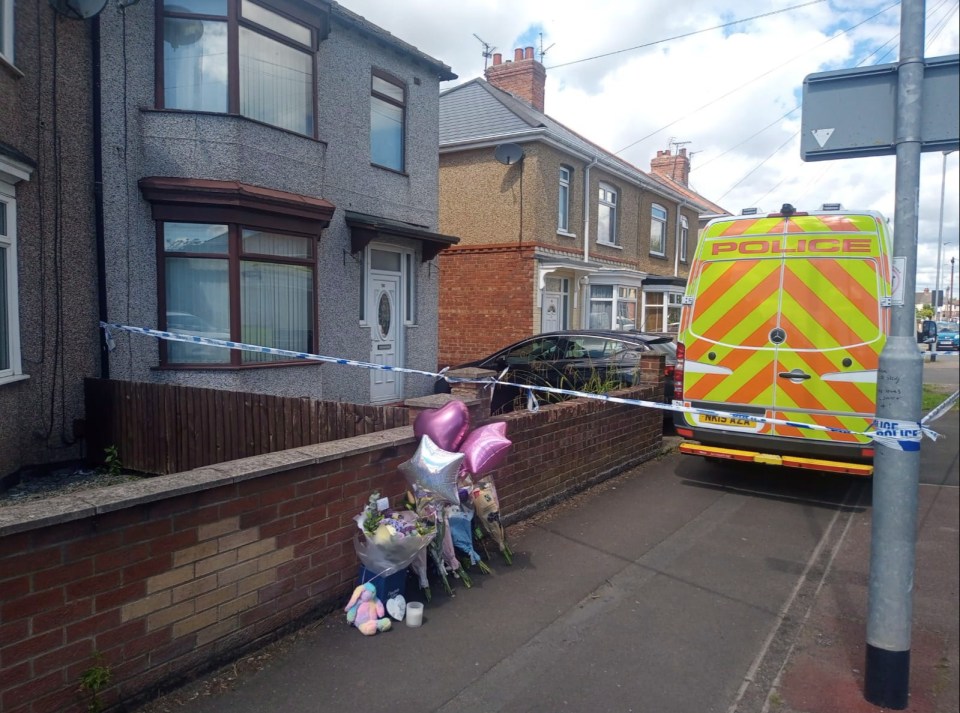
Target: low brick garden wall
{"x":168,"y":577}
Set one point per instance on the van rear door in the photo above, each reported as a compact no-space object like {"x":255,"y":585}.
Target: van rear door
{"x":831,"y":332}
{"x":786,"y":322}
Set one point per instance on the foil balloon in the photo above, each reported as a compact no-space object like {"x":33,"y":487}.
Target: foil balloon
{"x":435,"y":469}
{"x":446,"y":426}
{"x":485,"y":448}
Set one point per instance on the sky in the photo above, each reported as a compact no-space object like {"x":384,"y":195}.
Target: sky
{"x":690,"y":74}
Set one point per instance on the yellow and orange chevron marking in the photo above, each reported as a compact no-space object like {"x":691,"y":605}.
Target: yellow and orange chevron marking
{"x":818,"y":278}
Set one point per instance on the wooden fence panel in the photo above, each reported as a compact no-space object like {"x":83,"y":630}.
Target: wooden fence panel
{"x":163,"y":428}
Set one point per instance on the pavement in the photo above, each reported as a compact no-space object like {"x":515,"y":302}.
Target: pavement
{"x":612,"y":606}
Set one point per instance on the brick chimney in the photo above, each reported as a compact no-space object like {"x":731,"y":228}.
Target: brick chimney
{"x":524,"y":77}
{"x":676,"y":167}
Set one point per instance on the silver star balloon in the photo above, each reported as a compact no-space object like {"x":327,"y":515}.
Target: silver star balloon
{"x":434,"y":469}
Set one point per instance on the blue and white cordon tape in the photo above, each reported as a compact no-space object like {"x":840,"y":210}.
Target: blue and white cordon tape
{"x":901,"y":435}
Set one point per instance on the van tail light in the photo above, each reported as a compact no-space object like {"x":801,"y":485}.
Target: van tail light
{"x":678,"y":373}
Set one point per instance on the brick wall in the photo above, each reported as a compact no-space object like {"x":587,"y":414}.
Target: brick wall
{"x":486,"y":301}
{"x":171,"y":576}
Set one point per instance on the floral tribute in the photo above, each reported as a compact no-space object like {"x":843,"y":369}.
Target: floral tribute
{"x":451,"y":504}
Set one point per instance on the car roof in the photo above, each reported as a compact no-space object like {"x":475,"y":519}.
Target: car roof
{"x":647,"y":337}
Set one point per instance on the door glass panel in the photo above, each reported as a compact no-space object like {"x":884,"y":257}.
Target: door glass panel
{"x":385,"y":260}
{"x":384,"y":315}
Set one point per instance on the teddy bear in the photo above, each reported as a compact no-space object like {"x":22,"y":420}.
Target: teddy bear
{"x":365,"y":611}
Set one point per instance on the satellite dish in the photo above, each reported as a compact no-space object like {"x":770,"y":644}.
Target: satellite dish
{"x":78,"y":9}
{"x":508,"y":154}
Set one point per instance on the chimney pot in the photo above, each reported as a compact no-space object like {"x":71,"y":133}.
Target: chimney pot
{"x":517,"y":54}
{"x":528,"y":53}
{"x":497,"y":58}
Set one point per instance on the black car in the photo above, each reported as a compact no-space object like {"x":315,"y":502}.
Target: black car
{"x":585,"y":360}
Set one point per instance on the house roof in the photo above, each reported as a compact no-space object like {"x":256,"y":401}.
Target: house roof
{"x":477,"y":114}
{"x":708,"y":207}
{"x":366,"y":27}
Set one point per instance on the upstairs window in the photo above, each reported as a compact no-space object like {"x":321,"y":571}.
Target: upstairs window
{"x":387,"y":110}
{"x":563,"y":203}
{"x":6,"y":30}
{"x":684,"y":236}
{"x":658,"y":230}
{"x":239,"y":57}
{"x":607,"y":215}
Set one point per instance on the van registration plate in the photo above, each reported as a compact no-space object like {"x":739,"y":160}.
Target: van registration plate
{"x":726,"y":421}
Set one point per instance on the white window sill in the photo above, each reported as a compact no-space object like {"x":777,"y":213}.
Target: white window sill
{"x":610,"y":245}
{"x":13,"y":379}
{"x":662,"y":256}
{"x":565,"y":234}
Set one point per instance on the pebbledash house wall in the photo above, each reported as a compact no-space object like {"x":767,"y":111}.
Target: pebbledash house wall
{"x":172,"y":576}
{"x":141,"y":141}
{"x":46,"y":120}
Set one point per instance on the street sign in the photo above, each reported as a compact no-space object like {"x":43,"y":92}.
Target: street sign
{"x":850,"y":113}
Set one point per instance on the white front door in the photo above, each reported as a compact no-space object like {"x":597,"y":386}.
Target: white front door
{"x":550,"y":316}
{"x":386,"y":329}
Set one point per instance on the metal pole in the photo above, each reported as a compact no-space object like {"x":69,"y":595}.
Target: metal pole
{"x":899,"y":381}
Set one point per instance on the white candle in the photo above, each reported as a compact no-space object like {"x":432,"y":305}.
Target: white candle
{"x":414,"y":613}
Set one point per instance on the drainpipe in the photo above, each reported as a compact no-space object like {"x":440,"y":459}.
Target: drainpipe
{"x":98,"y":196}
{"x":586,"y":209}
{"x":676,"y":241}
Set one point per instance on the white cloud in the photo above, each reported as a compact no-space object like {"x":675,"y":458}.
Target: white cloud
{"x":716,"y":90}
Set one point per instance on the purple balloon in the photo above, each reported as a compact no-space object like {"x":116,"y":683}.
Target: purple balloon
{"x":446,"y":426}
{"x":485,"y":448}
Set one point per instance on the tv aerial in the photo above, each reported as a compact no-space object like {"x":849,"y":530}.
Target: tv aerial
{"x":508,"y":154}
{"x":487,"y":51}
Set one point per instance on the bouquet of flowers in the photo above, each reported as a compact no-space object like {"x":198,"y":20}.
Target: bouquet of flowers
{"x":487,"y":504}
{"x":432,"y":509}
{"x":391,"y":540}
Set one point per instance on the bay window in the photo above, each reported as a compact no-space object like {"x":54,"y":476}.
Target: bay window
{"x":271,"y":302}
{"x":240,"y":57}
{"x":613,"y":307}
{"x":236,"y":262}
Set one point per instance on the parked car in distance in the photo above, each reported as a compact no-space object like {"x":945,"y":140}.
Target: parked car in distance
{"x":575,"y":359}
{"x":948,"y":338}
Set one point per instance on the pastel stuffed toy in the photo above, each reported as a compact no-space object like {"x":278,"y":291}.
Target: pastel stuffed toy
{"x":365,"y":611}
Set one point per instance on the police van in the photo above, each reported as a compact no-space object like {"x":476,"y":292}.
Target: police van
{"x":784,"y":317}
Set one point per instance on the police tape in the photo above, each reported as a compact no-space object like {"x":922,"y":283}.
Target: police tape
{"x":897,"y":434}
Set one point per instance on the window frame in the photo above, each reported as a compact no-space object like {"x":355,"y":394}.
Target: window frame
{"x":8,"y":243}
{"x":235,"y":21}
{"x":235,"y":257}
{"x":12,"y":172}
{"x":684,"y":237}
{"x":658,"y":224}
{"x":7,"y":35}
{"x":401,"y":104}
{"x":565,"y":180}
{"x":610,"y":204}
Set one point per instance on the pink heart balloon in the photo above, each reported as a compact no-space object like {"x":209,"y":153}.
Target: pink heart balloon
{"x":485,"y":448}
{"x":446,"y":426}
